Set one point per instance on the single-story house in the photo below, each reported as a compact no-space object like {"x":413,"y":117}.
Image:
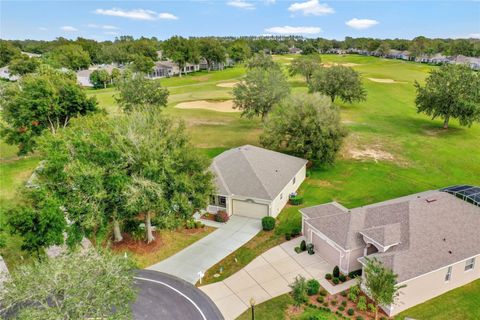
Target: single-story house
{"x":164,"y":69}
{"x":431,"y":240}
{"x":294,"y":50}
{"x":254,"y":182}
{"x":83,"y":76}
{"x":215,"y":66}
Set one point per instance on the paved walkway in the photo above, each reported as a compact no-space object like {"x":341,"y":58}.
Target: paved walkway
{"x":269,"y":276}
{"x":206,"y":252}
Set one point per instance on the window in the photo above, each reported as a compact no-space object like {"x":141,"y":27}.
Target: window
{"x":293,"y":181}
{"x":281,"y":196}
{"x":448,"y":276}
{"x":470,"y":264}
{"x":222,"y":201}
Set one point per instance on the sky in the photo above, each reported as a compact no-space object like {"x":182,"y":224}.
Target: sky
{"x":105,"y":20}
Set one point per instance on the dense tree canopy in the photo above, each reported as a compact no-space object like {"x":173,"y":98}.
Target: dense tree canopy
{"x":239,"y":51}
{"x":212,"y":50}
{"x":23,"y":65}
{"x":137,"y":92}
{"x":181,"y":50}
{"x":262,"y":61}
{"x":100,"y":78}
{"x":88,"y":285}
{"x":305,"y":65}
{"x":71,"y":56}
{"x":338,"y":81}
{"x":306,"y":125}
{"x":142,"y":64}
{"x":259,"y":91}
{"x":39,"y":102}
{"x":452,"y":91}
{"x":7,"y":52}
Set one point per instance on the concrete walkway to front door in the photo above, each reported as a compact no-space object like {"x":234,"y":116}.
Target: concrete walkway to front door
{"x":268,"y":276}
{"x":209,"y":250}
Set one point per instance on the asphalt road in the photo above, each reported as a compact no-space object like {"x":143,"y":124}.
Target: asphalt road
{"x":163,"y":296}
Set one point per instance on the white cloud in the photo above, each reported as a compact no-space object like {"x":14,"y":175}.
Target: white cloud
{"x":474,"y":35}
{"x":294,"y":30}
{"x":241,"y":4}
{"x":105,"y":27}
{"x":111,"y":33}
{"x":136,"y":14}
{"x":361,"y":23}
{"x":312,"y":7}
{"x":108,"y":27}
{"x":167,"y":16}
{"x":69,"y":29}
{"x":42,"y":28}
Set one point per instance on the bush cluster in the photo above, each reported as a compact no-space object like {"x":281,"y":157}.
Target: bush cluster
{"x":268,"y":223}
{"x":354,"y":274}
{"x":296,"y":200}
{"x":351,"y":312}
{"x":312,"y":287}
{"x":221,"y":216}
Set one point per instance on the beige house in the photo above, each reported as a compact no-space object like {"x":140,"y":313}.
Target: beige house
{"x":255,"y":182}
{"x":431,"y":240}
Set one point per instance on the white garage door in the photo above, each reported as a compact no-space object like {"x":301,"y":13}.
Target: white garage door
{"x":249,"y":209}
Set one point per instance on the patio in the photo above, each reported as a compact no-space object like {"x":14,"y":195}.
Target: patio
{"x":269,"y":276}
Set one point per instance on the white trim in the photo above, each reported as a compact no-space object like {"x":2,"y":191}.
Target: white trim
{"x":177,"y":291}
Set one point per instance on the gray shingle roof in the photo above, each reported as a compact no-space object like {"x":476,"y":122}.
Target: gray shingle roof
{"x":435,"y":229}
{"x":255,"y":172}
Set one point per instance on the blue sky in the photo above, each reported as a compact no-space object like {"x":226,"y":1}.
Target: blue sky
{"x":103,"y":20}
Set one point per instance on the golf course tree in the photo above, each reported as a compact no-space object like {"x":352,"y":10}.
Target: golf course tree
{"x":338,"y":82}
{"x":239,"y":51}
{"x":142,"y":64}
{"x":306,"y":125}
{"x":181,"y":51}
{"x":259,"y":91}
{"x":100,"y":78}
{"x":169,"y":178}
{"x":71,"y":56}
{"x":39,"y":221}
{"x":23,"y":65}
{"x":305,"y":65}
{"x":212,"y":51}
{"x":8,"y":52}
{"x":79,"y":285}
{"x":380,"y":284}
{"x":262,"y":61}
{"x":451,"y":91}
{"x":137,"y":92}
{"x":46,"y":100}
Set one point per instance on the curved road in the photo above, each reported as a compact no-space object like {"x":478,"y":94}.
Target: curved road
{"x":163,"y":296}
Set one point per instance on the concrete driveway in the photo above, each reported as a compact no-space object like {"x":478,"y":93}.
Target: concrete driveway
{"x":269,"y":276}
{"x":209,"y":250}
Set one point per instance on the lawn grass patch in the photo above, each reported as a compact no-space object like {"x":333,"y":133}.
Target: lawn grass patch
{"x":273,"y":309}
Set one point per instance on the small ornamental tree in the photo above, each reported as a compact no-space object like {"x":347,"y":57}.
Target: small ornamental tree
{"x":380,"y":283}
{"x":338,"y":82}
{"x":305,"y":65}
{"x":336,"y":272}
{"x":299,"y":291}
{"x":452,"y":91}
{"x":88,"y":285}
{"x":99,"y":78}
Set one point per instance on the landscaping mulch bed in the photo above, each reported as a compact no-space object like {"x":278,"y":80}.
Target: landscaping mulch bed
{"x":208,"y":216}
{"x":138,"y":246}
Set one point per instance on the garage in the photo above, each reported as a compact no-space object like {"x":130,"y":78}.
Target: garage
{"x":329,"y":253}
{"x":248,"y":208}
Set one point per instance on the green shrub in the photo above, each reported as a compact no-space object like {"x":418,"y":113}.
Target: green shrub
{"x":296,"y":231}
{"x":352,"y":296}
{"x":355,"y":273}
{"x":362,"y":303}
{"x":221,"y":216}
{"x":296,"y":200}
{"x":341,"y":308}
{"x":312,"y":287}
{"x":320,"y":299}
{"x":343,"y":293}
{"x":371,"y":307}
{"x":344,"y":303}
{"x":303,"y":245}
{"x":268,"y":223}
{"x":351,"y":312}
{"x":328,"y":276}
{"x":298,"y":250}
{"x":359,"y":318}
{"x":335,"y":281}
{"x":288,"y":236}
{"x":333,"y":302}
{"x":355,"y":289}
{"x":323,"y":292}
{"x":336,"y":272}
{"x":299,"y":288}
{"x":342,"y":278}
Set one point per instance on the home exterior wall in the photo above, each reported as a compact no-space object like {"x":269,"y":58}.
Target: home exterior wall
{"x":323,"y":246}
{"x":432,"y":284}
{"x":282,"y":198}
{"x":353,"y":256}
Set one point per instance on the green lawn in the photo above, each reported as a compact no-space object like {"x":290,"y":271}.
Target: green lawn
{"x":459,"y":304}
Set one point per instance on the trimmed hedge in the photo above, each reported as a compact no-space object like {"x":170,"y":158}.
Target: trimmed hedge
{"x":268,"y":223}
{"x":336,"y":272}
{"x":354,"y":274}
{"x":312,"y":287}
{"x":296,"y":200}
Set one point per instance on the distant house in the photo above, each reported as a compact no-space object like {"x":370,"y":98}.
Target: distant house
{"x":31,"y":55}
{"x":254,"y":182}
{"x":472,"y":62}
{"x":294,"y":50}
{"x":83,"y":76}
{"x":164,"y":69}
{"x":191,"y":67}
{"x":431,"y":240}
{"x":215,"y":66}
{"x":5,"y":74}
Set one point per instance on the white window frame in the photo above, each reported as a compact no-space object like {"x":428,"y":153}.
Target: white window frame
{"x":470,"y":264}
{"x":448,"y":275}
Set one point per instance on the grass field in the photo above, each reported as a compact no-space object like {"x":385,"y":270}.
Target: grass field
{"x":390,"y":151}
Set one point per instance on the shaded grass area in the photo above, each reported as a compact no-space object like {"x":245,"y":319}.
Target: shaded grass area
{"x":169,"y":243}
{"x":460,"y":304}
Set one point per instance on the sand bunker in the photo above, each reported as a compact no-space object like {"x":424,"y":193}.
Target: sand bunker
{"x":227,"y":84}
{"x":349,"y":64}
{"x":383,"y":80}
{"x":222,"y":106}
{"x":374,"y":154}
